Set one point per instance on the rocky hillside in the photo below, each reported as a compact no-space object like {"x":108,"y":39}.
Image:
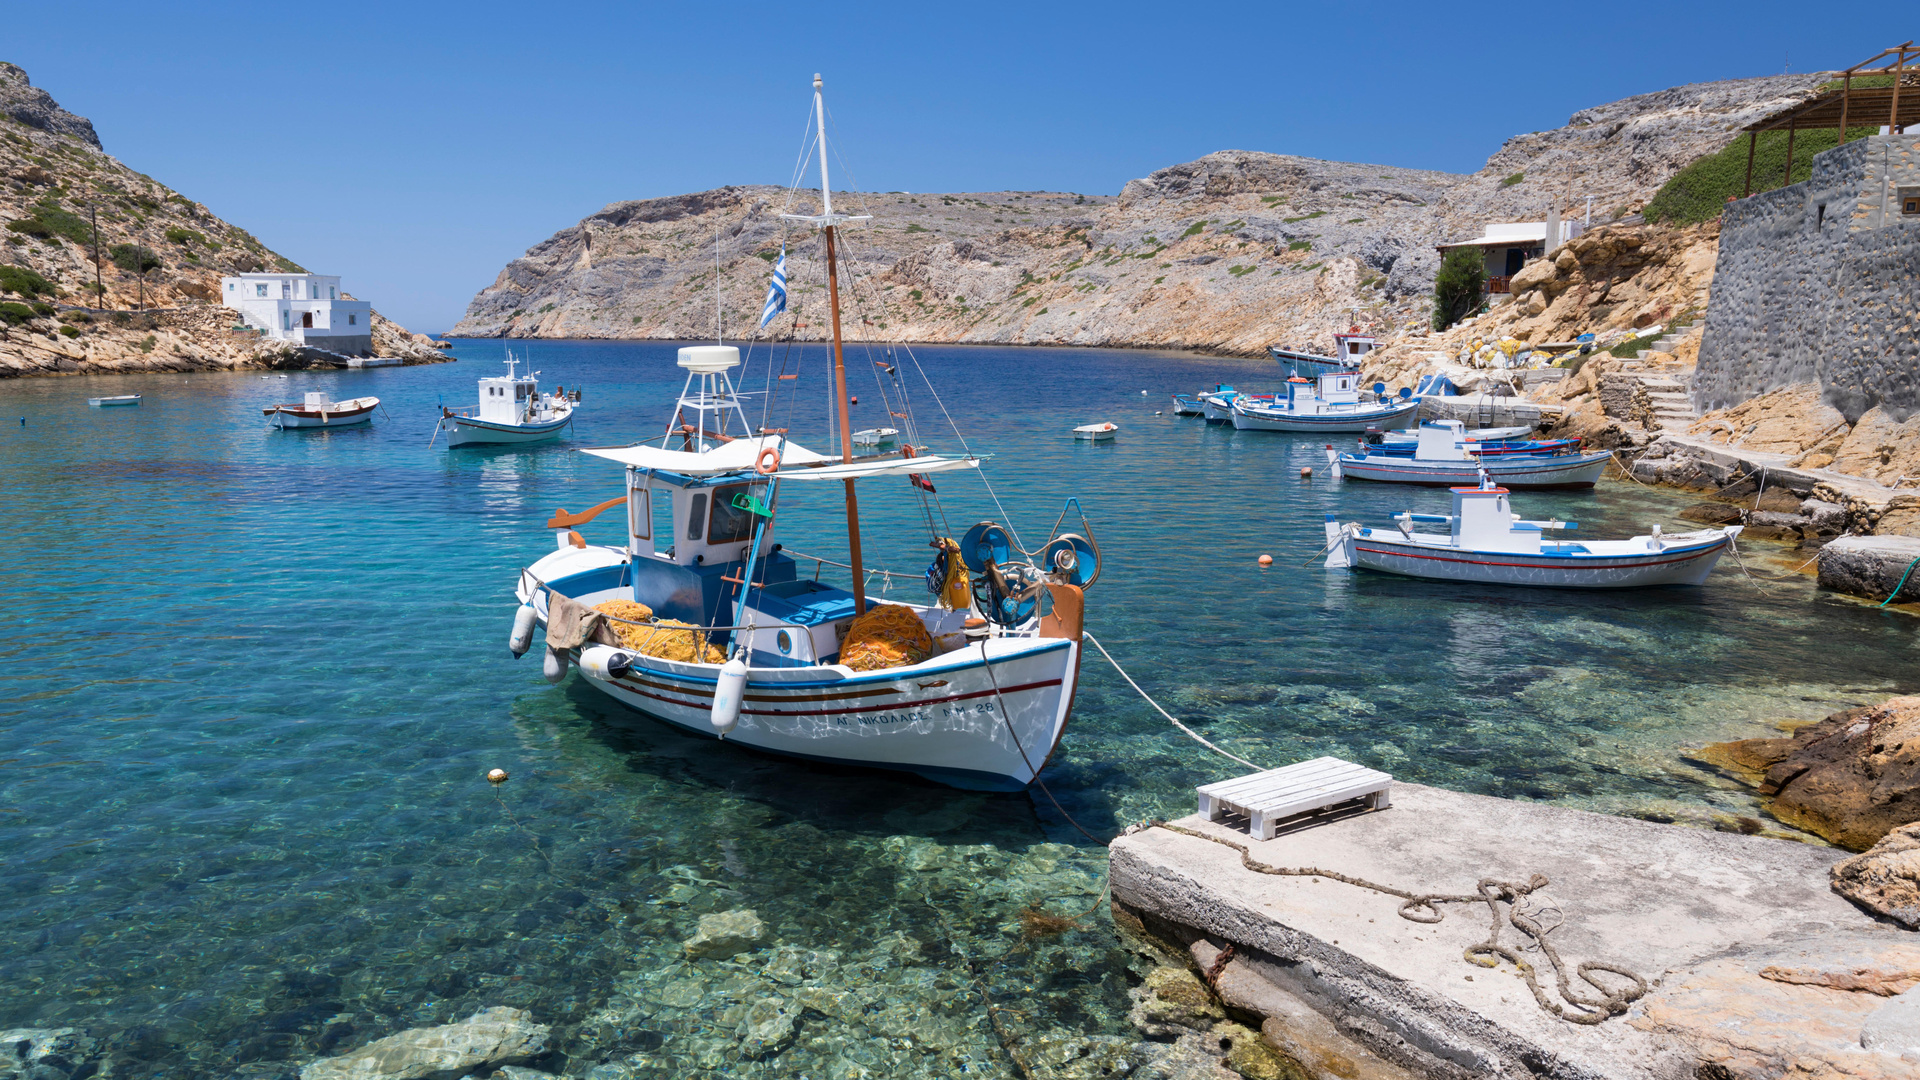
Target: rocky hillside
{"x":157,"y":249}
{"x":1229,"y":253}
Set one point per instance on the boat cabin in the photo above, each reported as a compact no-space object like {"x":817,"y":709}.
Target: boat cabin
{"x":1352,"y":345}
{"x":1442,"y":440}
{"x":504,"y":399}
{"x":1332,"y":388}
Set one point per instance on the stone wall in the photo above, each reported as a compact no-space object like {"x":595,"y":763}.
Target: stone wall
{"x":1818,"y":282}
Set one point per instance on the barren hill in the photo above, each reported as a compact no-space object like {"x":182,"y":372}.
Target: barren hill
{"x":1229,"y":253}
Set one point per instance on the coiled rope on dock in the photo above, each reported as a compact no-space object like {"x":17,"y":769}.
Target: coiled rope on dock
{"x":1580,"y":1008}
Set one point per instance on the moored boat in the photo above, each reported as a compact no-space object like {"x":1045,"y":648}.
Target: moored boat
{"x":1331,"y":403}
{"x":1188,"y":405}
{"x":320,"y":410}
{"x":1486,"y":543}
{"x":882,"y":436}
{"x":110,"y":402}
{"x":512,"y":410}
{"x":1443,"y":458}
{"x":1217,"y":404}
{"x":1096,"y":432}
{"x":717,"y":631}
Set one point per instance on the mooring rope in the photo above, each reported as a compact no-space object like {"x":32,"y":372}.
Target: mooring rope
{"x":1192,"y":734}
{"x":1897,"y":588}
{"x":1580,"y":1008}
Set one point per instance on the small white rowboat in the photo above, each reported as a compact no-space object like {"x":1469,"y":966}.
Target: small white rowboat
{"x":878,"y":436}
{"x":318,"y":411}
{"x":123,"y":399}
{"x":1096,"y":432}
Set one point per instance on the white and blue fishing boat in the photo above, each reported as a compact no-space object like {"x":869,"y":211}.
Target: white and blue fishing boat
{"x":1188,"y":405}
{"x":1485,"y":542}
{"x":1406,"y":444}
{"x":1349,"y":349}
{"x":512,"y":410}
{"x":767,"y":654}
{"x":1331,"y":404}
{"x":1217,"y":404}
{"x":1444,"y":458}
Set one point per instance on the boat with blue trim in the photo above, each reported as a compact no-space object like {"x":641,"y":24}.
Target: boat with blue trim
{"x":512,"y":410}
{"x":1443,"y":458}
{"x":1331,"y":404}
{"x":700,"y":619}
{"x":1485,"y":542}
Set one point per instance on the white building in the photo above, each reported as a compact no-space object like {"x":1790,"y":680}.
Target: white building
{"x":1512,"y":245}
{"x":302,"y":308}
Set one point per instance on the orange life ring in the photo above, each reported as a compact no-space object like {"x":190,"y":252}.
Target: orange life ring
{"x":760,"y":463}
{"x":908,"y":451}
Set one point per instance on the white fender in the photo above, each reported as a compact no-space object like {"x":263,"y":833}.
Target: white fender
{"x":554,"y":667}
{"x":1333,"y":459}
{"x":728,"y":692}
{"x":604,"y":662}
{"x":522,"y":637}
{"x":1336,"y":545}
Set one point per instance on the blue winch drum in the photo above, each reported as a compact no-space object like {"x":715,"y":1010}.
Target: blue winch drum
{"x":1074,"y":556}
{"x":985,"y":542}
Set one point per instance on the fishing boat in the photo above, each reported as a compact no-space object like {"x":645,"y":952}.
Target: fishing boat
{"x":876,"y":436}
{"x":320,"y":410}
{"x":1443,"y":458}
{"x":1485,"y":542}
{"x":1217,"y":404}
{"x":1096,"y":432}
{"x":1409,"y":436}
{"x":1348,"y":348}
{"x":723,"y":635}
{"x":109,"y":402}
{"x":1406,"y":445}
{"x":1188,"y":405}
{"x":1330,"y":403}
{"x":512,"y":410}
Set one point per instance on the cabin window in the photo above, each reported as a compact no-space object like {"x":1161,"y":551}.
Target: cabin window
{"x":697,"y":516}
{"x":519,"y":391}
{"x":730,"y":523}
{"x":640,"y":515}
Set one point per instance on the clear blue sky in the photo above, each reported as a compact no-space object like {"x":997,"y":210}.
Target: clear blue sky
{"x":414,"y":148}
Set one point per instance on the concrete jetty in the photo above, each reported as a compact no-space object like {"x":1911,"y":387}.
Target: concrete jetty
{"x":1747,"y":951}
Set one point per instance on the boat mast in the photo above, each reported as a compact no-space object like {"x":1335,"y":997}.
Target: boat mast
{"x":839,"y":360}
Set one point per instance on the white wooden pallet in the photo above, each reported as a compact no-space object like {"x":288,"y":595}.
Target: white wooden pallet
{"x":1268,"y":797}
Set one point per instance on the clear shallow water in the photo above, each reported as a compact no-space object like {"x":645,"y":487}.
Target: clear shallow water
{"x":257,"y":678}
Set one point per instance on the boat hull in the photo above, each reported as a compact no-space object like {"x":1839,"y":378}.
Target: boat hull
{"x":1343,"y":422}
{"x":1307,"y":365}
{"x":299,"y":416}
{"x":1519,"y":473}
{"x":467,"y":431}
{"x":112,"y":402}
{"x":1186,"y":406}
{"x":1679,"y":564}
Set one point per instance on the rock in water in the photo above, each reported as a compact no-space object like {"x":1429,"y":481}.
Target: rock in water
{"x":767,"y":1027}
{"x":1885,"y":880}
{"x":495,"y":1036}
{"x":726,"y":934}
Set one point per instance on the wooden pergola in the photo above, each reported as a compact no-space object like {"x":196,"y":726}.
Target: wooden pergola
{"x":1898,"y":103}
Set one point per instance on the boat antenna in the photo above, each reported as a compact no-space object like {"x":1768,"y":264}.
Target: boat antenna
{"x":827,"y":219}
{"x":719,"y":336}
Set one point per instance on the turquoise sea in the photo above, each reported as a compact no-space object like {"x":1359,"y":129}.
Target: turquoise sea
{"x":259,"y":677}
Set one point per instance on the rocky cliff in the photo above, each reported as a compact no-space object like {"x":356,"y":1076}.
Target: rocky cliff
{"x":1229,"y":253}
{"x":157,"y":249}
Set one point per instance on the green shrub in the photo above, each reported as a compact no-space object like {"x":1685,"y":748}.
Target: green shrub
{"x":1194,"y":229}
{"x":26,"y":282}
{"x":1039,"y":313}
{"x":916,"y":294}
{"x":183,"y":237}
{"x":133,"y":258}
{"x":76,"y":317}
{"x":1514,"y":179}
{"x":1241,"y":271}
{"x":70,"y":331}
{"x":918,"y":228}
{"x":1700,"y":191}
{"x":49,"y":221}
{"x":40,"y":307}
{"x":1460,"y":286}
{"x":14,"y":314}
{"x":1305,"y":217}
{"x":1355,"y":221}
{"x":1300,"y":245}
{"x":147,"y":343}
{"x":544,"y":308}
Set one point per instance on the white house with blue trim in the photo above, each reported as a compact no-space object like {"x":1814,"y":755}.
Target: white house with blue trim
{"x":306,"y":309}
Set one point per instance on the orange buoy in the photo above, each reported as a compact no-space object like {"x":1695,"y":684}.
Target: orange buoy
{"x":1306,"y":471}
{"x":496,"y":776}
{"x":1266,"y":560}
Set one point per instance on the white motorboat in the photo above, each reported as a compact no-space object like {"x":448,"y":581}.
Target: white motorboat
{"x":1330,"y":403}
{"x":879,"y":436}
{"x":109,"y":402}
{"x":320,"y":410}
{"x":1486,"y":542}
{"x":1443,"y":457}
{"x":1096,"y":432}
{"x":512,"y":410}
{"x":983,"y":682}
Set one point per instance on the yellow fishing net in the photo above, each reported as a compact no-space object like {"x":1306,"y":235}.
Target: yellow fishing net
{"x":668,"y":639}
{"x":888,"y":635}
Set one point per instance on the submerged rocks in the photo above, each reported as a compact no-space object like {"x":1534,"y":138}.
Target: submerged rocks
{"x":1886,"y":879}
{"x":495,"y":1036}
{"x":1851,"y":778}
{"x":726,"y":934}
{"x":44,"y":1053}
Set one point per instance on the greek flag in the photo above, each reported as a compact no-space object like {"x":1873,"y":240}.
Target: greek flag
{"x":777,"y":290}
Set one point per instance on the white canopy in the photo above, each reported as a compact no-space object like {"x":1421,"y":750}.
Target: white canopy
{"x":741,"y":455}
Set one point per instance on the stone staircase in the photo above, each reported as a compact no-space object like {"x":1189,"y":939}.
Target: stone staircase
{"x":1665,"y":399}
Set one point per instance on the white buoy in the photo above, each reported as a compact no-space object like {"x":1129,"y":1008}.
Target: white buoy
{"x":554,"y":667}
{"x":604,"y":662}
{"x":522,"y":638}
{"x":728,"y":691}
